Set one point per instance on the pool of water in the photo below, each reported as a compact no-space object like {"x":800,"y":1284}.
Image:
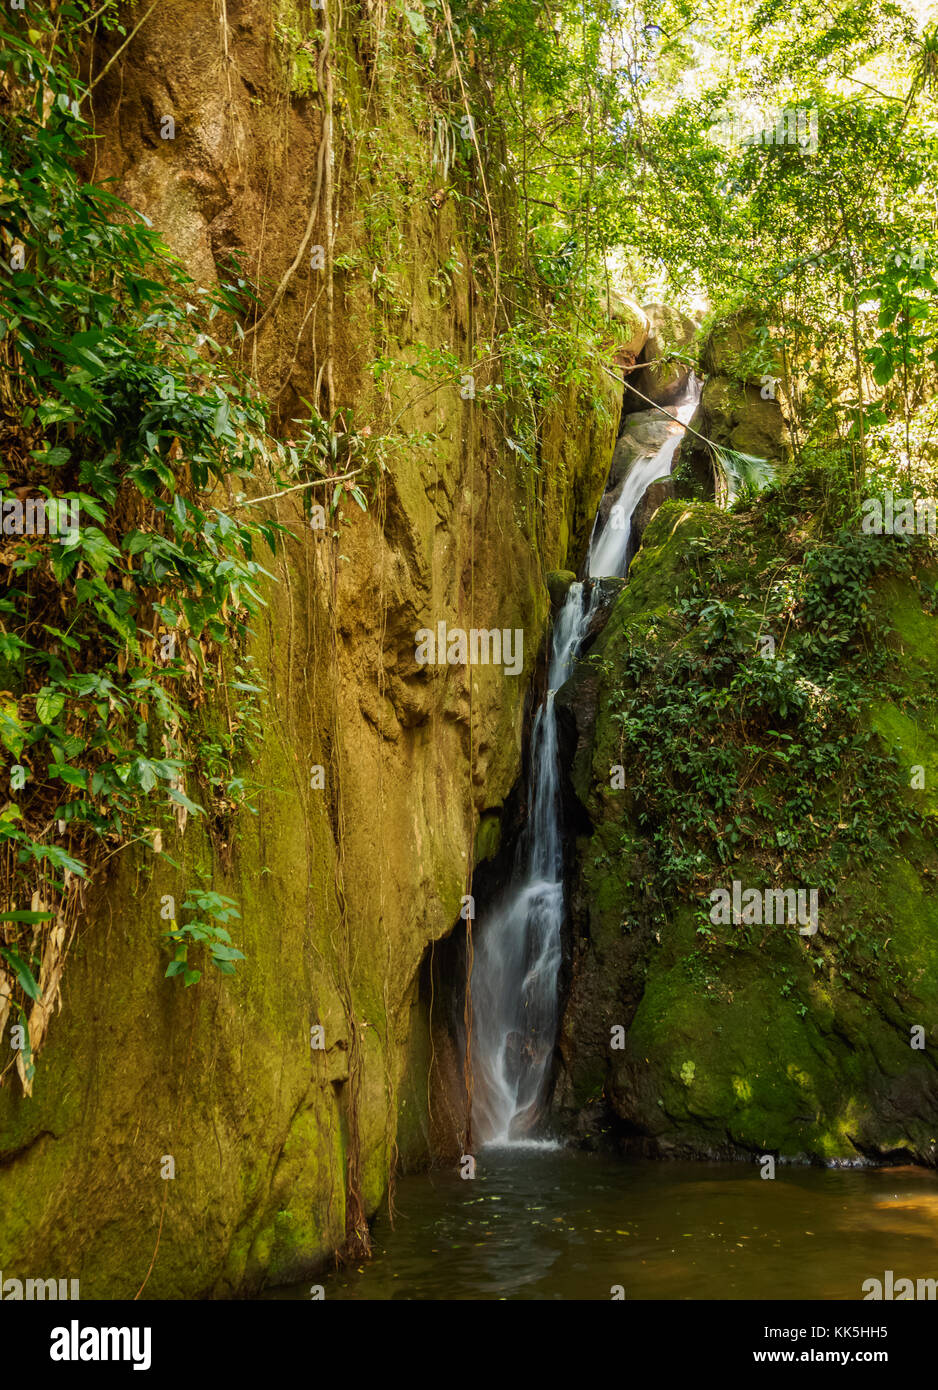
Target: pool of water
{"x":563,"y":1224}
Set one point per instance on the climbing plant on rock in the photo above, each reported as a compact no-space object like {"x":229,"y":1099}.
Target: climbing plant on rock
{"x":129,"y":574}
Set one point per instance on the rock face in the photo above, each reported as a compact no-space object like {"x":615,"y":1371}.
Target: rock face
{"x":281,"y":1147}
{"x":661,"y":382}
{"x":741,"y":347}
{"x":558,"y":582}
{"x":633,"y":324}
{"x":655,"y":495}
{"x":605,"y":592}
{"x":739,"y":1040}
{"x":738,"y":406}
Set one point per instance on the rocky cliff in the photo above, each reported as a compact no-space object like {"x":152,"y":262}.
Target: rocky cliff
{"x":345,"y":876}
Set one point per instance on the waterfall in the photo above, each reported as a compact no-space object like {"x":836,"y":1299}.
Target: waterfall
{"x":519,"y":945}
{"x":514,"y":977}
{"x":609,"y":546}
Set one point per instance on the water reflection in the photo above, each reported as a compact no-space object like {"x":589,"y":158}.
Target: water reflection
{"x":561,"y":1224}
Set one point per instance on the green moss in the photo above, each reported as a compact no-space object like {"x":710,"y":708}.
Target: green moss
{"x":914,"y":745}
{"x":756,"y":1038}
{"x":298,"y":43}
{"x":488,"y":836}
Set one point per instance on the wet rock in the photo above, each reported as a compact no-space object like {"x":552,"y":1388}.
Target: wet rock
{"x":576,"y":699}
{"x":607,"y":590}
{"x":643,"y":433}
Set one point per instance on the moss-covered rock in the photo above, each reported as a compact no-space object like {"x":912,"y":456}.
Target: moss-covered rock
{"x":742,"y":347}
{"x":747,"y":1038}
{"x":631,"y":322}
{"x":558,"y":582}
{"x":663,"y":376}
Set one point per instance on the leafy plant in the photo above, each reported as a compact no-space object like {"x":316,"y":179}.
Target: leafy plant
{"x":115,"y":397}
{"x":198,"y":931}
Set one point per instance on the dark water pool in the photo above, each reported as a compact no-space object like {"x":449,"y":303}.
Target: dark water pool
{"x":562,"y":1224}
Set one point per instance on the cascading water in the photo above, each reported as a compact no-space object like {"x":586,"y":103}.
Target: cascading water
{"x":518,"y":950}
{"x":609,"y":546}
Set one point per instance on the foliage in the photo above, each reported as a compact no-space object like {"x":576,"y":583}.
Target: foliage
{"x":731,"y":158}
{"x":117,"y":398}
{"x":745,"y":750}
{"x":197,"y":931}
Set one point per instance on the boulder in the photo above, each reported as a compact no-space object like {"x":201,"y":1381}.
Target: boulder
{"x":740,"y":1047}
{"x":558,"y":582}
{"x":662,"y":382}
{"x":742,"y":347}
{"x":632,"y":324}
{"x":657,"y":492}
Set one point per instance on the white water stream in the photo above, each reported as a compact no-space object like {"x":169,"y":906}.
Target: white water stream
{"x":518,"y":948}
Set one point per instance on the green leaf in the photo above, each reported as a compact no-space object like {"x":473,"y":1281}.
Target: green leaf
{"x":59,"y":858}
{"x":417,"y":23}
{"x":98,"y":550}
{"x":183,"y":800}
{"x":49,"y":705}
{"x":742,"y":471}
{"x":145,"y":775}
{"x":227,"y":953}
{"x":21,"y":970}
{"x":74,"y":776}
